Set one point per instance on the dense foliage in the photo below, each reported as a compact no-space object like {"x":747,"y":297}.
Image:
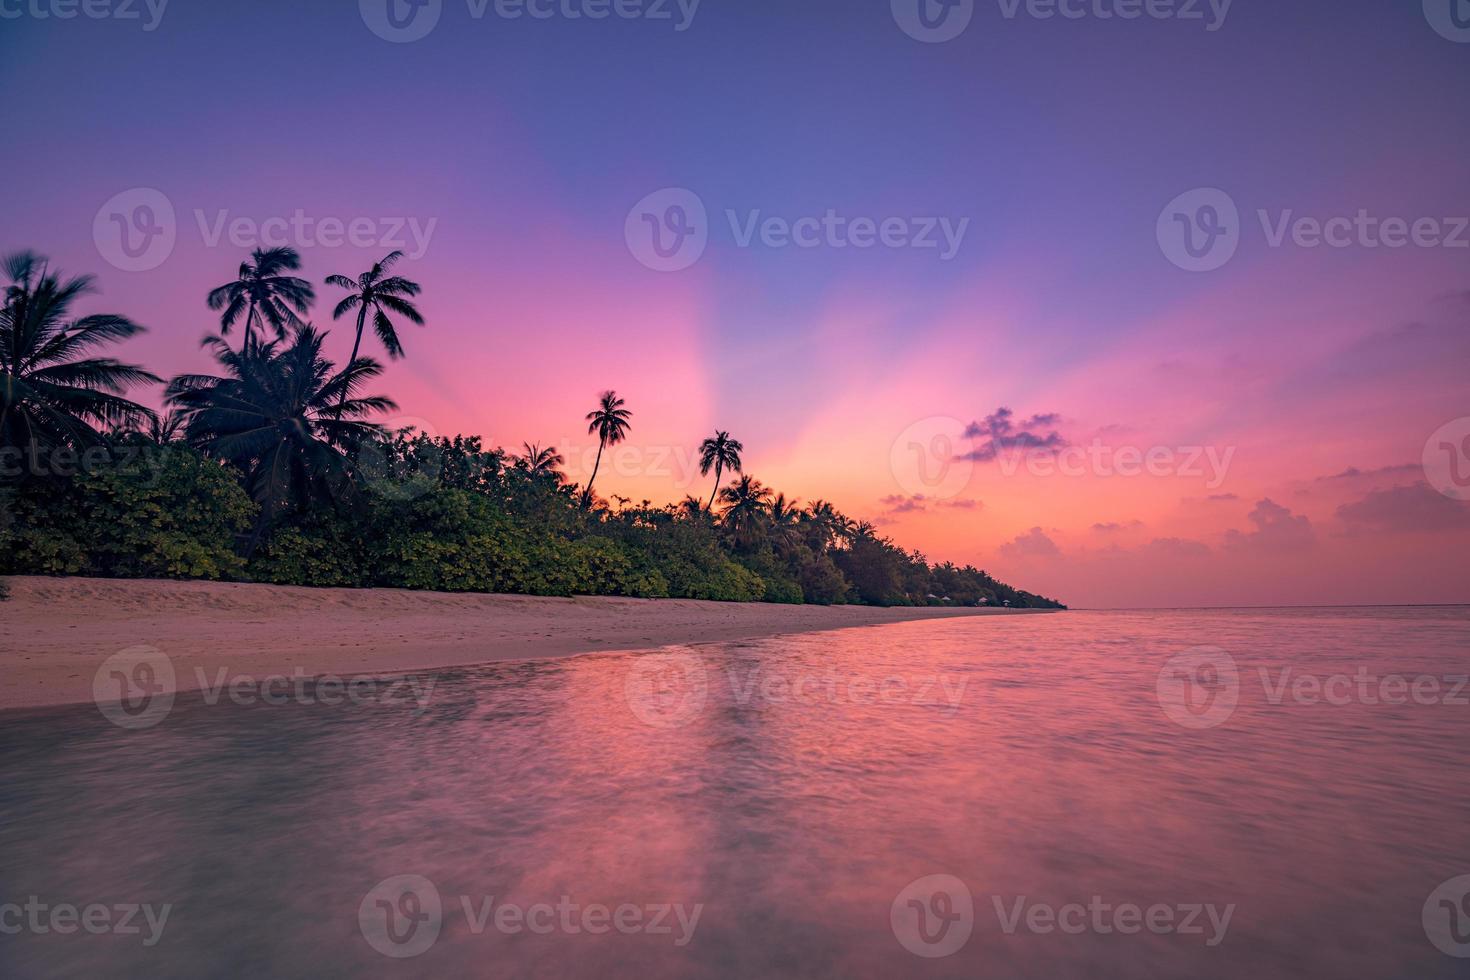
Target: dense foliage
{"x":272,"y":470}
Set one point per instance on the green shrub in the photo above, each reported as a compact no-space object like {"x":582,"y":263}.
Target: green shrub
{"x":142,"y":512}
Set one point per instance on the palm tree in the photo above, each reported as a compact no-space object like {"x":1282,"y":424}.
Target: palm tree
{"x":263,"y":294}
{"x":719,"y":452}
{"x":372,"y":293}
{"x":49,"y":396}
{"x":747,"y":502}
{"x":159,"y":430}
{"x":272,"y":414}
{"x":691,"y":508}
{"x":609,"y":422}
{"x":784,"y":522}
{"x":542,"y":462}
{"x":831,"y":525}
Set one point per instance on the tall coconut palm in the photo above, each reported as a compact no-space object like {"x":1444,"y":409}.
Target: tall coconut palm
{"x":609,"y":422}
{"x":747,"y":502}
{"x":49,"y":395}
{"x":542,"y":462}
{"x":378,"y":294}
{"x":719,"y":452}
{"x":264,"y":295}
{"x":277,"y":413}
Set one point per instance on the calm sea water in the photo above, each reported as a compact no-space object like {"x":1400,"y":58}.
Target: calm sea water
{"x":1291,"y":801}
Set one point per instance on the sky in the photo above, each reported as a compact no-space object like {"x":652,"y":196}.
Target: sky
{"x":1169,"y":309}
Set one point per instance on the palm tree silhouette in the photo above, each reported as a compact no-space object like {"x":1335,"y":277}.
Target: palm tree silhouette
{"x":159,"y":430}
{"x":719,"y":452}
{"x":691,"y":508}
{"x":271,"y":413}
{"x":372,"y":293}
{"x":542,"y":462}
{"x":49,"y":396}
{"x":832,"y":526}
{"x":263,"y":294}
{"x":784,"y":522}
{"x":747,"y":503}
{"x":609,"y":422}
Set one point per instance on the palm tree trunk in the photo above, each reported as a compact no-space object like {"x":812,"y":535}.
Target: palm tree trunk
{"x":356,"y":343}
{"x":5,"y":411}
{"x":587,"y":494}
{"x":716,"y":490}
{"x":249,"y":322}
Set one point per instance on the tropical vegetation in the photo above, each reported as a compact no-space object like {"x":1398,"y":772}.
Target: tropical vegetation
{"x":274,"y":468}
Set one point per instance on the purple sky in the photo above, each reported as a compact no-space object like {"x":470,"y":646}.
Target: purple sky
{"x":505,"y":156}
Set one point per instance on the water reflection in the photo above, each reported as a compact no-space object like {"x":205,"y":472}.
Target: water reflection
{"x":815,"y":778}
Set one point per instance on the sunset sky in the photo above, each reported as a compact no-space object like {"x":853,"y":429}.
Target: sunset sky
{"x":1285,"y":397}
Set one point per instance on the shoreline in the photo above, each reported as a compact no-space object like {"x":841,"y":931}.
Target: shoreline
{"x":60,"y":630}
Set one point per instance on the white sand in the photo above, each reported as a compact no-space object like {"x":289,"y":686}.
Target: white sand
{"x":55,"y":632}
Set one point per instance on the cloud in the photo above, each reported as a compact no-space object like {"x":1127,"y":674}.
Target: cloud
{"x":1033,"y":544}
{"x":1277,"y":530}
{"x":897,"y":503}
{"x":1410,"y":508}
{"x":1110,"y":527}
{"x":1223,"y":496}
{"x":1352,"y":472}
{"x":999,"y":432}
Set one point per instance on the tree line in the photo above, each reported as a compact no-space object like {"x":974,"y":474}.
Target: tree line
{"x":271,"y":468}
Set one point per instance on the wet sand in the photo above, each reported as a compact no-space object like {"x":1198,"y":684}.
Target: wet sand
{"x":58,"y":631}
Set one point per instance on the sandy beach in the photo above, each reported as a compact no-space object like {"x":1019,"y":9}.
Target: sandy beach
{"x":58,"y":630}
